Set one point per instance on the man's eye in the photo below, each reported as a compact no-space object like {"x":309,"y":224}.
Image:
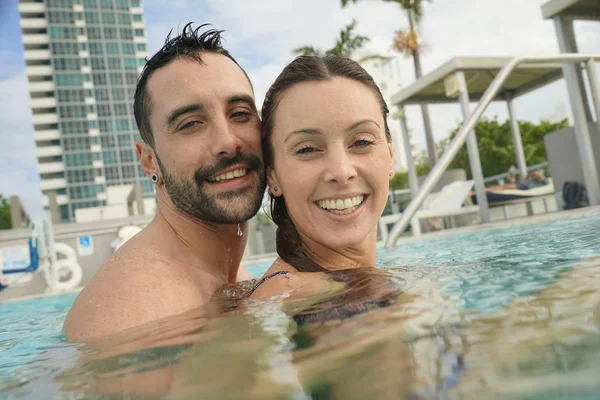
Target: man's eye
{"x":241,"y":115}
{"x":189,"y":124}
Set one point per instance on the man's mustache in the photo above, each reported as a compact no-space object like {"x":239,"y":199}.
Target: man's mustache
{"x":253,"y":162}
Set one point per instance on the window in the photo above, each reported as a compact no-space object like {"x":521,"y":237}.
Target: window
{"x":96,"y":48}
{"x":137,"y":17}
{"x":127,"y":156}
{"x":108,"y":18}
{"x":76,"y":143}
{"x":70,"y":95}
{"x":135,"y":3}
{"x":105,"y":125}
{"x":61,"y":17}
{"x":141,"y":62}
{"x":91,"y":17}
{"x":129,"y":63}
{"x":112,"y":48}
{"x":64,"y":48}
{"x":127,"y":48}
{"x":101,"y":94}
{"x":114,"y":63}
{"x":118,"y":94}
{"x":81,"y":175}
{"x":109,"y":157}
{"x":68,"y":80}
{"x":74,"y":128}
{"x":116,"y":78}
{"x":128,"y":170}
{"x":120,"y":109}
{"x":126,"y":33}
{"x":124,"y":19}
{"x":98,"y":64}
{"x":59,"y":3}
{"x":94,"y":33}
{"x":125,"y":141}
{"x":99,"y":79}
{"x":131,"y":78}
{"x":59,"y":32}
{"x":112,"y":173}
{"x":72,"y":111}
{"x":108,"y":142}
{"x":122,"y":125}
{"x":139,"y":32}
{"x":90,"y":3}
{"x":76,"y":160}
{"x":104,"y":110}
{"x":66,"y":64}
{"x":110,"y":33}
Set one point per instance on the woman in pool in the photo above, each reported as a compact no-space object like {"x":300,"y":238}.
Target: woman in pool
{"x":327,"y":149}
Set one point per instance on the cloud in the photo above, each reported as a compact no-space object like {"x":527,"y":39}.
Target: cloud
{"x":17,"y":155}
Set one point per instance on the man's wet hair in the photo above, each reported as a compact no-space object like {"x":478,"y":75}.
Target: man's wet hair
{"x":190,"y":43}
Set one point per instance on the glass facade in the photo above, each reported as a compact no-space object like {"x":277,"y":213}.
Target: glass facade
{"x":93,"y":45}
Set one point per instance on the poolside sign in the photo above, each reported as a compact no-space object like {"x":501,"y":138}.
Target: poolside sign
{"x":85,"y":245}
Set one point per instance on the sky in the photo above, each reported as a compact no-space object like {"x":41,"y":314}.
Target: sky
{"x":260,"y":34}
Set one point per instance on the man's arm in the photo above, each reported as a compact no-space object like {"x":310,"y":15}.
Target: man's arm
{"x":123,"y":296}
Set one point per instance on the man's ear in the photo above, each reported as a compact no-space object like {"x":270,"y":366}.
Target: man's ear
{"x":273,"y":181}
{"x":147,"y":158}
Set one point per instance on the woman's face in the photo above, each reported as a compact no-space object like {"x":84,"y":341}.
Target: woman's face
{"x":332,"y":161}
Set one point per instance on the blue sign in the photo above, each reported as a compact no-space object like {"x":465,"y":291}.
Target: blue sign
{"x":85,"y":245}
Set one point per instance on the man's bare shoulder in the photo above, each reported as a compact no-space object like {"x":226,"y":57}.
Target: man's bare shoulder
{"x":137,"y":285}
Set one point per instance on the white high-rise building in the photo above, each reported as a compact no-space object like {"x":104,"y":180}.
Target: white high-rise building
{"x":83,"y":60}
{"x":386,"y":73}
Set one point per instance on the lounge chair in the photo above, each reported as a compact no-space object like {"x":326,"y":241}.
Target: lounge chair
{"x":505,"y":198}
{"x":446,"y":203}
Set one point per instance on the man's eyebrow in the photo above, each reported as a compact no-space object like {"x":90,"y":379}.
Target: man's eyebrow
{"x":309,"y":131}
{"x":181,"y":111}
{"x":363,"y":121}
{"x":242,"y":98}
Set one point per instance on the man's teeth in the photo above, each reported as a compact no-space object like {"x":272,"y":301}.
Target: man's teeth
{"x":229,"y":175}
{"x":342,"y":206}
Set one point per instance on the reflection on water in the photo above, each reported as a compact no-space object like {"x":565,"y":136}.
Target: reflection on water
{"x":490,"y":314}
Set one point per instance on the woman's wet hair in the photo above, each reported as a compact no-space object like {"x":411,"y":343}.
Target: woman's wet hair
{"x":305,"y":69}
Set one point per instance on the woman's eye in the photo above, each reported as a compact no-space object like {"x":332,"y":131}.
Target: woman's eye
{"x":305,"y":150}
{"x":364,"y":143}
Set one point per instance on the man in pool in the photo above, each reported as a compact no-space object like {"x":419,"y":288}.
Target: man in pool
{"x":194,"y":107}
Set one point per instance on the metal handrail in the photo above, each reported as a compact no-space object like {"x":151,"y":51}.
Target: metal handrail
{"x":460,"y":138}
{"x":505,"y":174}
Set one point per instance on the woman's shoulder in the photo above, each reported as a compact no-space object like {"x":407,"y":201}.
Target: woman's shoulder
{"x":277,"y":280}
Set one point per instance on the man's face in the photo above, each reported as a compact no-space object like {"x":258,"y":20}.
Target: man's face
{"x":207,"y":138}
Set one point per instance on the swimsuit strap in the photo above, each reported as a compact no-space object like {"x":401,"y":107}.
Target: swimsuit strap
{"x":266,"y":278}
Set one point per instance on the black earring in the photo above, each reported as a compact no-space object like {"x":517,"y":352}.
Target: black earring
{"x":154,"y":178}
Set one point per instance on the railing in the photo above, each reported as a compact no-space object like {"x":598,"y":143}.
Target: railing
{"x":462,"y":135}
{"x":500,"y":177}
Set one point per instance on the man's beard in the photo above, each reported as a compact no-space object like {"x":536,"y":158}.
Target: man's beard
{"x":232,"y":207}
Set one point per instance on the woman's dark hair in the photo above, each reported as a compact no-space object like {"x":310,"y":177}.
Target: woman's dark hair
{"x":305,"y":69}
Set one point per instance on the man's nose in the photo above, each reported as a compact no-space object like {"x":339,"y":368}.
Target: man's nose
{"x":224,"y":141}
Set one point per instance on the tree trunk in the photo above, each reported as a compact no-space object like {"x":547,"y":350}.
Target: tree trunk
{"x":431,"y":151}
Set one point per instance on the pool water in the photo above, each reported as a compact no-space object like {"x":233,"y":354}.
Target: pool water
{"x":509,"y":312}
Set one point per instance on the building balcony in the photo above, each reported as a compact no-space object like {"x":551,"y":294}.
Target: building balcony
{"x":33,"y":23}
{"x":35,"y":39}
{"x":60,"y":199}
{"x":48,"y":151}
{"x":39,"y":70}
{"x":94,"y":132}
{"x":99,"y":180}
{"x":53,"y":184}
{"x":96,"y":148}
{"x":86,"y":69}
{"x":43,"y":102}
{"x":98,"y":164}
{"x":41,"y":119}
{"x":37,"y":55}
{"x":48,"y":134}
{"x":32,"y":7}
{"x":46,"y":86}
{"x":52,"y":167}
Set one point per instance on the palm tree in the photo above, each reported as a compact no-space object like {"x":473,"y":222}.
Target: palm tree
{"x":345,"y":45}
{"x":406,"y":42}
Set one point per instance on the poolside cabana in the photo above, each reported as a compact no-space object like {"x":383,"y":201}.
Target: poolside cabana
{"x":466,"y":79}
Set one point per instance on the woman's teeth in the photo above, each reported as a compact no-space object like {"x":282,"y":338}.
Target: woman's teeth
{"x":229,"y":175}
{"x":342,"y":206}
